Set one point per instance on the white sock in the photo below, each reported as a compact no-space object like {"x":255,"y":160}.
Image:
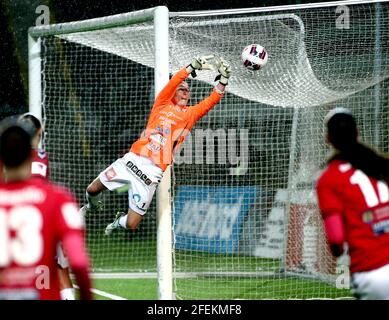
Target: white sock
{"x":92,"y":200}
{"x":68,"y":294}
{"x":123,"y":221}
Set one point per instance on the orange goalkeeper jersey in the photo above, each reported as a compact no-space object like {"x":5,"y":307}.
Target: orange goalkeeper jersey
{"x":169,"y":123}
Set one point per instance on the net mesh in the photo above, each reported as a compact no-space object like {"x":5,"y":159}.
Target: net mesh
{"x":93,"y":112}
{"x":246,"y":224}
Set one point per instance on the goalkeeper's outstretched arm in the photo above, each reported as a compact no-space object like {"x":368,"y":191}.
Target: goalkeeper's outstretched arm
{"x":202,"y":108}
{"x":167,"y":93}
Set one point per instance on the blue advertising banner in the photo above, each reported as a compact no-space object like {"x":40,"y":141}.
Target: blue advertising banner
{"x":210,"y":218}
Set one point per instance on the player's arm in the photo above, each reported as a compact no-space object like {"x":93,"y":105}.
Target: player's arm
{"x":202,"y":108}
{"x":169,"y":90}
{"x":331,"y":209}
{"x":334,"y":229}
{"x":71,"y":227}
{"x":74,"y":246}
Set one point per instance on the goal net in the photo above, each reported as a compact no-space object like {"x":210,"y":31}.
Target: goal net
{"x":245,"y":217}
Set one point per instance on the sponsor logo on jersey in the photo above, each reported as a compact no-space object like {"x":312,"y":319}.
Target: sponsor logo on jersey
{"x":381,"y":227}
{"x":162,"y":130}
{"x":19,"y":294}
{"x":41,"y":153}
{"x":170,"y":114}
{"x":136,"y":197}
{"x":158,"y":138}
{"x":153,"y":147}
{"x":167,"y":121}
{"x":39,"y":168}
{"x":368,"y":216}
{"x":138,"y":173}
{"x":378,"y":218}
{"x":178,"y":109}
{"x":140,"y":205}
{"x":26,"y":195}
{"x":110,"y":174}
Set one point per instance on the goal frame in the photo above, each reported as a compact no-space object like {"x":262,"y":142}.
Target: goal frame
{"x":160,"y":16}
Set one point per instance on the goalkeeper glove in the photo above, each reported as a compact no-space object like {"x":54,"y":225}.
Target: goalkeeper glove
{"x":199,"y":63}
{"x":224,"y":72}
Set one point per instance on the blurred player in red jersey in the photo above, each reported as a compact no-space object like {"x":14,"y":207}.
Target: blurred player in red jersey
{"x":353,"y":198}
{"x":40,"y":169}
{"x":142,"y":167}
{"x":40,"y":159}
{"x":34,"y":216}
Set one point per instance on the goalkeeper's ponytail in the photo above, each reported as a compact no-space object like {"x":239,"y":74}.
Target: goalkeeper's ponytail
{"x":342,"y":134}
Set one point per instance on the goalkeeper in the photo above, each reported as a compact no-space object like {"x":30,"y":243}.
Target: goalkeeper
{"x":142,"y":167}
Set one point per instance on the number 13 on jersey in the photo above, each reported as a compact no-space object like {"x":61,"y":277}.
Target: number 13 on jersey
{"x":26,"y":247}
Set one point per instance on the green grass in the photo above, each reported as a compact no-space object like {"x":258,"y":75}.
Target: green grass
{"x":222,"y":289}
{"x":211,"y":262}
{"x":131,"y":289}
{"x":256,"y":288}
{"x":118,"y":254}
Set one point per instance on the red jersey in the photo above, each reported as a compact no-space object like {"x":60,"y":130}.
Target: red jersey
{"x":34,"y":216}
{"x":169,"y":123}
{"x":363,"y":204}
{"x":40,"y":164}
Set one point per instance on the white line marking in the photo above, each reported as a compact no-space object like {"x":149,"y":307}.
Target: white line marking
{"x":104,"y":294}
{"x":154,"y":275}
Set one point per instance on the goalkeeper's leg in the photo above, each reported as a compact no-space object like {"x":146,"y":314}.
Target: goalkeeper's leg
{"x":93,"y":193}
{"x":130,"y":221}
{"x":114,"y":178}
{"x":139,"y":199}
{"x":141,"y":192}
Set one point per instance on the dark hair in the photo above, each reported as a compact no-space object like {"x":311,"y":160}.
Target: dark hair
{"x":342,"y":134}
{"x":29,"y":117}
{"x":15,"y":142}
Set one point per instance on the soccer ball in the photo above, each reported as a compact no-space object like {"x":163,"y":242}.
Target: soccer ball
{"x":254,"y":57}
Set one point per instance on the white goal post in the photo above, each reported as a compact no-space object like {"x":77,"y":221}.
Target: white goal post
{"x":236,"y":216}
{"x":160,"y":17}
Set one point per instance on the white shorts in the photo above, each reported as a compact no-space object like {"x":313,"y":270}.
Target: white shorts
{"x":140,"y":173}
{"x":62,"y":260}
{"x":371,"y":285}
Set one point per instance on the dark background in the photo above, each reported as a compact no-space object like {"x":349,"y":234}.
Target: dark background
{"x":16,"y":16}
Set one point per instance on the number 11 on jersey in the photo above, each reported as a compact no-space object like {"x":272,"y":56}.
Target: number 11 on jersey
{"x":372,"y":199}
